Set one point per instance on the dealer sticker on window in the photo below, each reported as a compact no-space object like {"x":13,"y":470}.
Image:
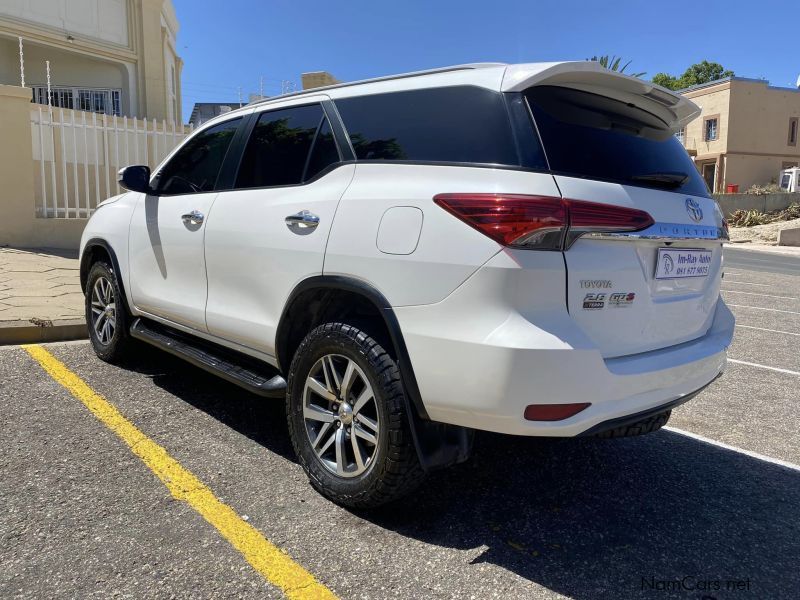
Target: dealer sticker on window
{"x":677,"y":263}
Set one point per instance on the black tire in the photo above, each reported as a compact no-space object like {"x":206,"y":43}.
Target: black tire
{"x":648,"y":425}
{"x":116,"y":346}
{"x":394,"y":469}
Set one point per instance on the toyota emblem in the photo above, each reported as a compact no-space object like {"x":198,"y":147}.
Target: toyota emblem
{"x":694,"y":210}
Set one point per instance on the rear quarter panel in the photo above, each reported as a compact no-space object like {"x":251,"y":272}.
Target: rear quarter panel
{"x":448,"y":251}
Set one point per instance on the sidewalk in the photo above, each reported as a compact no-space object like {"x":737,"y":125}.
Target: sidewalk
{"x":40,"y":296}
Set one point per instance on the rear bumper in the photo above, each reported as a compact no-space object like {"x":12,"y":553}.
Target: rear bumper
{"x":634,"y":418}
{"x":482,"y":371}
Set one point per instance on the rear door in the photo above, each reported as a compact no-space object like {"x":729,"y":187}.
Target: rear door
{"x":632,"y":292}
{"x":269,"y":232}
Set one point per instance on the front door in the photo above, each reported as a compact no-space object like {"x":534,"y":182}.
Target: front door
{"x":167,"y":230}
{"x":709,"y":174}
{"x":269,"y":233}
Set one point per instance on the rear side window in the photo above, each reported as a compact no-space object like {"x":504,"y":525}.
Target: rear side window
{"x":195,"y":167}
{"x":592,"y":136}
{"x":324,"y":152}
{"x":287,"y":147}
{"x":463,"y":124}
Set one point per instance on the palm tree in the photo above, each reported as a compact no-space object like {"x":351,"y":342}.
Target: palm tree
{"x":612,"y":63}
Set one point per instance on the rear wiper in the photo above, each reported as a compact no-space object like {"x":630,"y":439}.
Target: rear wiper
{"x":671,"y":179}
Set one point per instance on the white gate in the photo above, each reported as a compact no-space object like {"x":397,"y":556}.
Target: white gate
{"x":77,"y":155}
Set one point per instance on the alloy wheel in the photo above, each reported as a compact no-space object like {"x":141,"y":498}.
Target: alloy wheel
{"x":341,"y":415}
{"x":104,"y":310}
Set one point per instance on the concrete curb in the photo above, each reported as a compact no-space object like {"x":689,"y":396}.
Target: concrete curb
{"x":25,"y":332}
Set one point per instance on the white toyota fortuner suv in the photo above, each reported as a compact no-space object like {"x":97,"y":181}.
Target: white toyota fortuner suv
{"x":525,"y":249}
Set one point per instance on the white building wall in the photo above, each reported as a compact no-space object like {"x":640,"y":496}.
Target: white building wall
{"x":101,"y":20}
{"x":127,"y":45}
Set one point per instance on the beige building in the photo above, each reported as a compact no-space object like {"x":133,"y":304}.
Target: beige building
{"x":747,"y":132}
{"x":106,"y":56}
{"x":317,"y":79}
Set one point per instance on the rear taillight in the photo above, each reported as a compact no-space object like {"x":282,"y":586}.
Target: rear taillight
{"x":510,"y":219}
{"x":539,"y":222}
{"x":593,"y":217}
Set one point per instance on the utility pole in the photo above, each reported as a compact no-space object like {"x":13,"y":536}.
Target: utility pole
{"x":261,"y":88}
{"x":240,"y":96}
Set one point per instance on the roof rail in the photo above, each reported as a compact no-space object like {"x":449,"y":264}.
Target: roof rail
{"x":376,"y":79}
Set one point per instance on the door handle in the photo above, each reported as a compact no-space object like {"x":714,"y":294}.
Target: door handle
{"x":194,"y":218}
{"x":304,"y":219}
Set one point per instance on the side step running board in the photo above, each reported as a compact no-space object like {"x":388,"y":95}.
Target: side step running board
{"x":246,"y":372}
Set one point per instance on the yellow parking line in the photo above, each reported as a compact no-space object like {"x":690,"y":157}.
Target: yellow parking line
{"x":266,"y":558}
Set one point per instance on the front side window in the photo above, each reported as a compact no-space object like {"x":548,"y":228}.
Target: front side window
{"x":195,"y":167}
{"x":287,"y":147}
{"x":462,"y":124}
{"x":711,"y":129}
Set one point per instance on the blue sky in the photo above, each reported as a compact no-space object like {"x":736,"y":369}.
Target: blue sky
{"x":232,"y":43}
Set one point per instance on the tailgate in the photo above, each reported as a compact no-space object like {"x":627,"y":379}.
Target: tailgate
{"x":606,"y":143}
{"x":623,"y":299}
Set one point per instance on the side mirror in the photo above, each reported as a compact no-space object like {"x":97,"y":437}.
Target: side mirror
{"x":135,"y":178}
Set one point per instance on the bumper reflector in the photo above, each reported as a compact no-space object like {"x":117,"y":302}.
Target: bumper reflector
{"x":553,"y":412}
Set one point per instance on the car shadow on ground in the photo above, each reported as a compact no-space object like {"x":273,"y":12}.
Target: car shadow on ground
{"x":661,"y":515}
{"x":263,"y":420}
{"x":618,"y":518}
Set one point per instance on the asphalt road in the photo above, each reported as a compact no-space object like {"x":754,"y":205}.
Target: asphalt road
{"x":82,"y":516}
{"x":762,"y":261}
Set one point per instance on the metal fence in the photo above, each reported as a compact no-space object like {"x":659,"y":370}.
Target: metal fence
{"x":77,"y":155}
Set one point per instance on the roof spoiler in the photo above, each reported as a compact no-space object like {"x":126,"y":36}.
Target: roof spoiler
{"x":675,"y":110}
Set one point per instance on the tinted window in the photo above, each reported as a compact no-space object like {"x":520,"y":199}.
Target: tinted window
{"x":593,"y":136}
{"x":324,"y":152}
{"x":195,"y":167}
{"x":452,"y":124}
{"x":278,"y":150}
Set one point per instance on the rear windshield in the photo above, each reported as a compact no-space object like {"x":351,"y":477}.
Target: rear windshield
{"x":588,"y":135}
